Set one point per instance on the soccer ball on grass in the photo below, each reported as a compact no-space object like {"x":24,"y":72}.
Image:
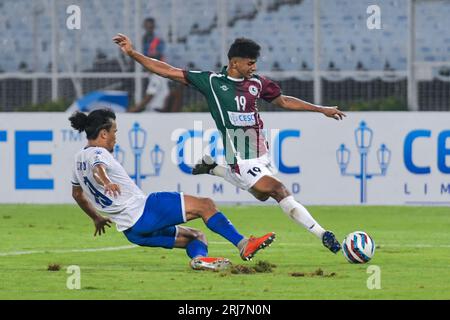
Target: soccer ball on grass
{"x":358,"y":247}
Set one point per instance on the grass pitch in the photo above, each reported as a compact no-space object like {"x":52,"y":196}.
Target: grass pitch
{"x":39,"y":243}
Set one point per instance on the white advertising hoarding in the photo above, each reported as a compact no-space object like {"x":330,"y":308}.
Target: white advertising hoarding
{"x":368,"y":158}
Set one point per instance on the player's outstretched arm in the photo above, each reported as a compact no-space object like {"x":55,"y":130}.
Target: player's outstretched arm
{"x":153,"y":65}
{"x":99,"y":221}
{"x":292,"y":103}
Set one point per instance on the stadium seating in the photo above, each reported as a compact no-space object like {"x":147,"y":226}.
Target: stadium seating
{"x":283,"y":28}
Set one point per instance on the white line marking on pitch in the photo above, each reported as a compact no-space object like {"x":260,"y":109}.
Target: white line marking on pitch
{"x":20,"y":253}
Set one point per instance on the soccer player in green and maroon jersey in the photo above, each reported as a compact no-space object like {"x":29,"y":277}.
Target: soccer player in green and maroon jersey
{"x":232,"y":96}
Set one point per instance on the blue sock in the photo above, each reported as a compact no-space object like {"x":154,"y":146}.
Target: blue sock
{"x":196,"y":248}
{"x":221,"y":225}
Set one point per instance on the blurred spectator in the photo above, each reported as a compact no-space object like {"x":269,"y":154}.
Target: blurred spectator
{"x":152,"y":45}
{"x":156,"y":96}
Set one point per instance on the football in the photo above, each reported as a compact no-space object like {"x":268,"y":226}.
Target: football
{"x":358,"y":247}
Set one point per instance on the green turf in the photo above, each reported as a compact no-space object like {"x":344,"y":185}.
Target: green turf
{"x":413,"y":256}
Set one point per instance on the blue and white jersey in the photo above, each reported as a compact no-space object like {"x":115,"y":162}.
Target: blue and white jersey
{"x":124,"y":210}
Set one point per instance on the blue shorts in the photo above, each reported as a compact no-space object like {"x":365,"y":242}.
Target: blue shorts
{"x":157,"y":225}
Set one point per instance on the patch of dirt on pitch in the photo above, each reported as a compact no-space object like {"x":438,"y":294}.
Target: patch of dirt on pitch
{"x":264,"y":266}
{"x":297,"y":274}
{"x":240,"y":269}
{"x":318,"y":273}
{"x":54,"y":267}
{"x":259,"y":267}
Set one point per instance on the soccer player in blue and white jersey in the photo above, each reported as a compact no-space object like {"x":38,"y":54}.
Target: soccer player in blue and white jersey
{"x":232,"y":96}
{"x":101,"y":184}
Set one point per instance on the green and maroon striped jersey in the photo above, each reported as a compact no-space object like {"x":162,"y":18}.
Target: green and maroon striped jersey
{"x":233,"y":106}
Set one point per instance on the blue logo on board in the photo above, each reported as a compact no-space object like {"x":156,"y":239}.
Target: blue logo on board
{"x":363,"y":140}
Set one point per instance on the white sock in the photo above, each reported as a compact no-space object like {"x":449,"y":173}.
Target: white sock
{"x":228,"y":175}
{"x":299,"y":214}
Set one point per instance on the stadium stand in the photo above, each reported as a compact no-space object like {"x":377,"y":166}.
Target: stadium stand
{"x":346,"y":43}
{"x":290,"y":44}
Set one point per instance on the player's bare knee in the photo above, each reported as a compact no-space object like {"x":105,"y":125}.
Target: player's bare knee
{"x":263,"y":198}
{"x":208,"y":206}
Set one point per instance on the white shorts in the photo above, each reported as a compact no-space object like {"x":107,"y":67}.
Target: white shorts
{"x":247,"y":172}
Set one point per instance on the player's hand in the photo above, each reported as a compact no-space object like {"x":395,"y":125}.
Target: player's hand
{"x":112,"y":189}
{"x":333,"y":112}
{"x":124,"y":43}
{"x":100,"y":223}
